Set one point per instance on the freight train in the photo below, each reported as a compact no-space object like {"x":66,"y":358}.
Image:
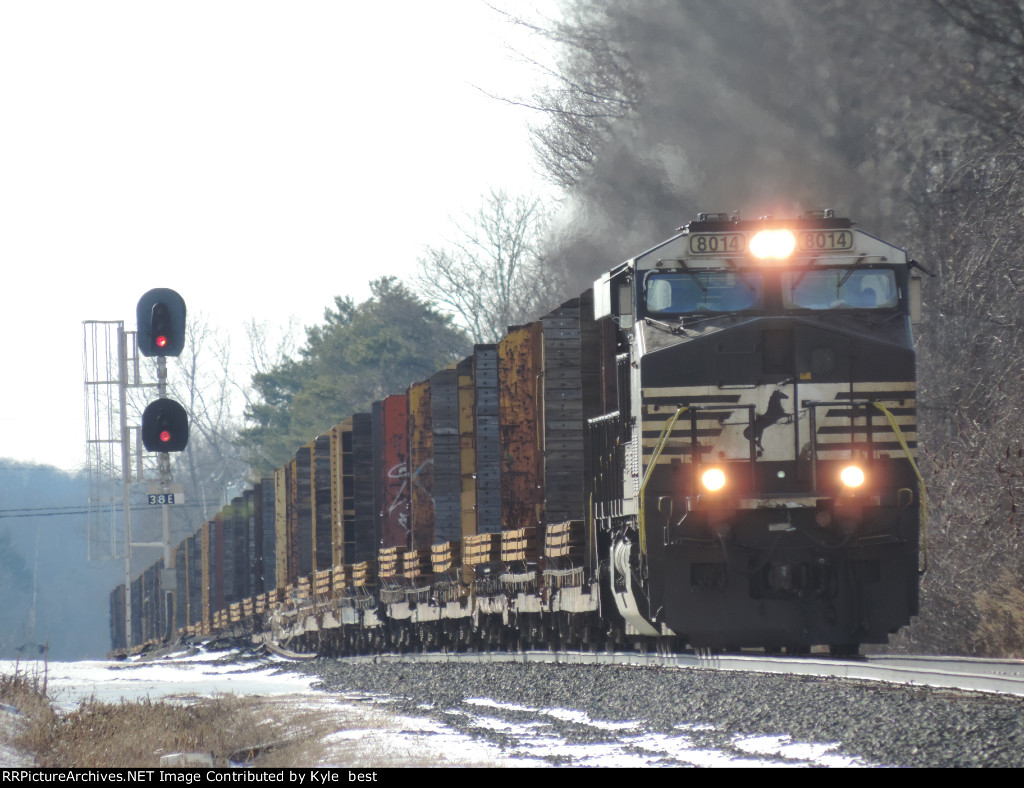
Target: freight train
{"x":713,"y":448}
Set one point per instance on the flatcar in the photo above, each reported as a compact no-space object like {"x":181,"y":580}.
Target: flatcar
{"x":713,"y":448}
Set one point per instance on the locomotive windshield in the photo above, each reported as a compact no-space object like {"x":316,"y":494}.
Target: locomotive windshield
{"x":686,"y":292}
{"x":840,"y":288}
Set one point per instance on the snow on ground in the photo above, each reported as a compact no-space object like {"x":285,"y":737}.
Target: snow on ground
{"x":10,"y":722}
{"x":71,"y":682}
{"x":354,"y":729}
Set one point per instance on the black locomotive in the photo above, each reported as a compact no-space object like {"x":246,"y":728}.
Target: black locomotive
{"x":766,"y":438}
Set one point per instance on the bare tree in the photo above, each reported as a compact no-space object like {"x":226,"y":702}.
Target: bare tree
{"x":590,"y":86}
{"x":983,"y":71}
{"x":492,"y":274}
{"x":268,"y":348}
{"x":204,"y":381}
{"x":972,"y":407}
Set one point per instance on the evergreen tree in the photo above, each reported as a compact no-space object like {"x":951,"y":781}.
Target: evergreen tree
{"x":361,"y":353}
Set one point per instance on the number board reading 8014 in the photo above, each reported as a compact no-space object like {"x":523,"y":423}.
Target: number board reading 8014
{"x":718,"y":243}
{"x":825,"y":240}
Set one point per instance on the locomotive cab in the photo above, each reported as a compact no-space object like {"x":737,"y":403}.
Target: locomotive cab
{"x":764,"y":451}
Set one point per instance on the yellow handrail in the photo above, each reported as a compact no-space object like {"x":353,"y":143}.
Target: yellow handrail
{"x":922,"y":492}
{"x":658,"y":448}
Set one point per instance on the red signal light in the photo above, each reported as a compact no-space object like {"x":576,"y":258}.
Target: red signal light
{"x":164,"y":426}
{"x":161,"y":324}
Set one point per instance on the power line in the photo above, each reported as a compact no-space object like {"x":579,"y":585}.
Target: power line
{"x":59,"y":511}
{"x":41,"y":513}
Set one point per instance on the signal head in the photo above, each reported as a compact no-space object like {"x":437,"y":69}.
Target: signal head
{"x":161,"y":323}
{"x":164,"y":426}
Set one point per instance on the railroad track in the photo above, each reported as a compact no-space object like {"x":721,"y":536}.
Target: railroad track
{"x":881,"y":711}
{"x":955,"y":673}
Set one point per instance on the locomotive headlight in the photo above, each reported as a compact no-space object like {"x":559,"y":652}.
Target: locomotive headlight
{"x":713,"y":479}
{"x":773,"y":244}
{"x":852,"y":477}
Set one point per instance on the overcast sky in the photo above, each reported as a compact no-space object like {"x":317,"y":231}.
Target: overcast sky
{"x":258,"y":157}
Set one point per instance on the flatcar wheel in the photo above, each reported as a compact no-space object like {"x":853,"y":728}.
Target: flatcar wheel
{"x":591,"y":636}
{"x":532,"y":635}
{"x":525,"y":632}
{"x":558,"y":640}
{"x":495,"y":634}
{"x":571,"y":636}
{"x":666,"y":646}
{"x":463,"y":638}
{"x":616,"y":637}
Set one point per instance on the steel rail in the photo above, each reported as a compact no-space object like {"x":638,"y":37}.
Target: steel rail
{"x":956,"y":673}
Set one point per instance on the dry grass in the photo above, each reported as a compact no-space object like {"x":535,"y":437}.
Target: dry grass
{"x":355,"y":737}
{"x":1001,"y":631}
{"x":265,"y":732}
{"x":25,"y":691}
{"x":136,"y":734}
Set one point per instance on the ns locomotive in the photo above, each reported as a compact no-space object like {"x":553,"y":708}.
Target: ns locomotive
{"x":715,"y":447}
